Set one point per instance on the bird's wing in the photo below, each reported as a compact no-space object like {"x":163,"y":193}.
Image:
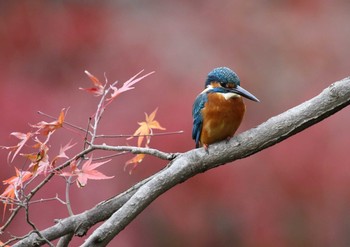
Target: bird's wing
{"x":198,"y":105}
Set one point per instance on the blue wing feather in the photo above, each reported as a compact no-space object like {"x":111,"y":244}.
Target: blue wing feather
{"x":198,"y":105}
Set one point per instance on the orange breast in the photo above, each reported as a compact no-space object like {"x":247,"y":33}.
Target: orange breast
{"x":221,"y":118}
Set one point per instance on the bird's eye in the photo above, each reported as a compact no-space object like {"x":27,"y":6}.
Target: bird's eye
{"x":230,"y":85}
{"x":223,"y":84}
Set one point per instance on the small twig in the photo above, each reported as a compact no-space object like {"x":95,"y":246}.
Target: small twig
{"x":36,"y":230}
{"x":10,"y":201}
{"x":65,"y":122}
{"x":98,"y":114}
{"x":46,"y":115}
{"x":110,"y":156}
{"x":137,"y":150}
{"x":15,"y":238}
{"x":68,"y":204}
{"x":87,"y":133}
{"x":56,"y":198}
{"x":130,"y":135}
{"x":9,"y":220}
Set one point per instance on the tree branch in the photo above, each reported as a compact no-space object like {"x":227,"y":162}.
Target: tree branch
{"x":137,"y":150}
{"x":129,"y":204}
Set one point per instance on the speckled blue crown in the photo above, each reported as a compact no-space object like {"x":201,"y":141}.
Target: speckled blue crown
{"x":222,"y":74}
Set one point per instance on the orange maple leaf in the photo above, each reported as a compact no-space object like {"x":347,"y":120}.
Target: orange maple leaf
{"x":134,"y":161}
{"x":40,"y":159}
{"x":45,"y":128}
{"x":98,"y":88}
{"x":86,"y":172}
{"x":14,"y":184}
{"x":146,"y":129}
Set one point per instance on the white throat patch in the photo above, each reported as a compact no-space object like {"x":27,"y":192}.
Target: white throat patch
{"x":230,"y":95}
{"x":227,"y":96}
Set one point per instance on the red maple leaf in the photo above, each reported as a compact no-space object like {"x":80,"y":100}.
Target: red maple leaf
{"x":62,"y":153}
{"x":86,"y":172}
{"x":24,"y":138}
{"x":14,"y":184}
{"x":127,"y":85}
{"x":98,"y":88}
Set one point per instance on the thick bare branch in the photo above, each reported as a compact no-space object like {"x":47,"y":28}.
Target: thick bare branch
{"x":126,"y":206}
{"x":273,"y":131}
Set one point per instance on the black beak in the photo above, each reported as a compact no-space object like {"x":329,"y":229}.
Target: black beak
{"x":241,"y":91}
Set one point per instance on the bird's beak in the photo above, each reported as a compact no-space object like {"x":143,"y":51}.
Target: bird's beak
{"x":241,"y":91}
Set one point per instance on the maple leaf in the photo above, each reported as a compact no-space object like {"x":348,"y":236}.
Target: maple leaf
{"x":146,"y":128}
{"x":62,"y":153}
{"x":86,"y":172}
{"x":24,"y":138}
{"x":39,"y":160}
{"x":127,"y":85}
{"x":134,"y":161}
{"x":14,"y":184}
{"x":46,"y":128}
{"x":98,"y":88}
{"x":144,"y":131}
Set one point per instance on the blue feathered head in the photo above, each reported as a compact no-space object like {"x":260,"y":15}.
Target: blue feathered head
{"x":222,"y":75}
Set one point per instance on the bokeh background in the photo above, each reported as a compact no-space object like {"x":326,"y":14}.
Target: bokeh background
{"x":296,"y":193}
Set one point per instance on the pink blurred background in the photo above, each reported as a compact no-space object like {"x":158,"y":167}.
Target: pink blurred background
{"x":296,"y":193}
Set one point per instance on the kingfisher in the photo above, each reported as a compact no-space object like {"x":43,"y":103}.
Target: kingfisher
{"x":219,"y":109}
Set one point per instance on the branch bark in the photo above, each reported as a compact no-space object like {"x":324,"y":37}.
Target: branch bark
{"x":125,"y":207}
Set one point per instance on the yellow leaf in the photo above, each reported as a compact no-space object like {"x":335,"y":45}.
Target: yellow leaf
{"x":136,"y":160}
{"x":146,"y":128}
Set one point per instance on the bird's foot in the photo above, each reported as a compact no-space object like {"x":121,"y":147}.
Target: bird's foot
{"x":206,"y":146}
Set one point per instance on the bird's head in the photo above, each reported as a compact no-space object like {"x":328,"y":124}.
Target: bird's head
{"x":227,"y":79}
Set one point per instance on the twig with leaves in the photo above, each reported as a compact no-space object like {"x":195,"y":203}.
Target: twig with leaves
{"x":80,"y":168}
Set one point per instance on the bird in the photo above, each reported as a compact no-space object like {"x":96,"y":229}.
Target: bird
{"x":219,"y":109}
